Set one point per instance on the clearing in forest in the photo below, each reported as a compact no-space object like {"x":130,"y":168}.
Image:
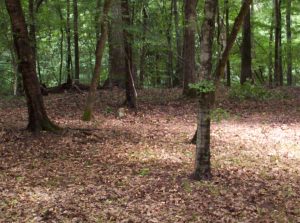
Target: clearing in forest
{"x":135,"y":168}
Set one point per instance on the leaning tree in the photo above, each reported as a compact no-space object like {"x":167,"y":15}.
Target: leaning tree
{"x":38,"y":119}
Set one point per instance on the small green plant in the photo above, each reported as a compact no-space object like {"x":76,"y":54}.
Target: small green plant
{"x":144,"y":172}
{"x":204,"y":86}
{"x":108,"y":110}
{"x":219,"y":114}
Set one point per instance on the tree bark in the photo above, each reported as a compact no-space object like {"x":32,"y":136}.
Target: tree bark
{"x":38,"y":119}
{"x":131,"y":94}
{"x":69,"y":55}
{"x":117,"y":65}
{"x":87,"y":115}
{"x":278,"y":59}
{"x":202,"y":160}
{"x":170,"y":51}
{"x":246,"y":64}
{"x":289,"y":43}
{"x":228,"y":71}
{"x":189,"y":75}
{"x":144,"y":49}
{"x":76,"y":40}
{"x":271,"y":37}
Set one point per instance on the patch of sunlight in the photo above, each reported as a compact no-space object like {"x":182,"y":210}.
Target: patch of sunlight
{"x":39,"y":195}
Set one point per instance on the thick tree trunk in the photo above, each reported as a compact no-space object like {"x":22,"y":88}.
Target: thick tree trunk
{"x":117,"y":65}
{"x":87,"y":115}
{"x":38,"y":119}
{"x":289,"y":43}
{"x":246,"y":64}
{"x":32,"y":29}
{"x":131,"y":94}
{"x":76,"y":40}
{"x":69,"y":55}
{"x":189,"y":75}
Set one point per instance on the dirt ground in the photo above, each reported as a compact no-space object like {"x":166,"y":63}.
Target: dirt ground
{"x":136,"y":168}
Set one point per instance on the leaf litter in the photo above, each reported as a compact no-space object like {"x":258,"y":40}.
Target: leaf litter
{"x":136,"y":168}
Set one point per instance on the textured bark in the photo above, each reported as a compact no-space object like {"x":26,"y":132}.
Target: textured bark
{"x":131,"y":95}
{"x":178,"y":77}
{"x":144,"y":49}
{"x":87,"y":115}
{"x":169,"y":34}
{"x":69,"y":55}
{"x":189,"y":75}
{"x":61,"y":46}
{"x":202,"y":160}
{"x":117,"y":65}
{"x":246,"y":64}
{"x":38,"y":119}
{"x":289,"y":43}
{"x":32,"y":29}
{"x":76,"y":40}
{"x":278,"y":58}
{"x":228,"y":71}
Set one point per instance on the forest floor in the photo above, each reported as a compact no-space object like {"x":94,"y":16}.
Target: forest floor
{"x":136,"y":168}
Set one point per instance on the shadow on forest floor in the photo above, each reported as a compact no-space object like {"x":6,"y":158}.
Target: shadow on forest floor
{"x":136,"y":168}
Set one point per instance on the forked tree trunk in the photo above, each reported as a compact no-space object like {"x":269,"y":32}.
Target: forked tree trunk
{"x":131,"y":94}
{"x":87,"y":115}
{"x":202,"y":160}
{"x":38,"y":119}
{"x":189,"y":75}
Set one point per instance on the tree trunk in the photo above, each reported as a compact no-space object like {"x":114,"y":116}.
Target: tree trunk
{"x":117,"y":65}
{"x":32,"y":29}
{"x":144,"y":49}
{"x":87,"y":115}
{"x":202,"y":166}
{"x":289,"y":43}
{"x":76,"y":39}
{"x":189,"y":75}
{"x":61,"y":46}
{"x":38,"y":119}
{"x":278,"y":62}
{"x":246,"y":71}
{"x":178,"y":78}
{"x":69,"y":55}
{"x":169,"y":35}
{"x":228,"y":72}
{"x":202,"y":160}
{"x":131,"y":94}
{"x":271,"y":37}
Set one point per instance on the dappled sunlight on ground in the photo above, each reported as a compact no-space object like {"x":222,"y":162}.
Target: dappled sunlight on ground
{"x":136,"y":168}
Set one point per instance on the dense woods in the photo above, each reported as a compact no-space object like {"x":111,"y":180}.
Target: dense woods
{"x":125,"y":92}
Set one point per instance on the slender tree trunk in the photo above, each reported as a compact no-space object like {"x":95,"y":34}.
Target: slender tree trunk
{"x":278,"y":62}
{"x":61,"y":46}
{"x":38,"y":119}
{"x":228,"y":75}
{"x":289,"y":43}
{"x":69,"y":55}
{"x":76,"y":40}
{"x":97,"y":17}
{"x":246,"y":64}
{"x":202,"y":161}
{"x":178,"y":78}
{"x":144,"y":49}
{"x":170,"y":50}
{"x":87,"y":115}
{"x":131,"y":94}
{"x":271,"y":39}
{"x":189,"y":42}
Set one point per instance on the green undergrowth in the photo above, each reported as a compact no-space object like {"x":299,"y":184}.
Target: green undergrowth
{"x":250,"y":91}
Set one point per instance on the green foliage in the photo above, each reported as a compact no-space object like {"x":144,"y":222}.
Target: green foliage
{"x":250,"y":91}
{"x":204,"y":86}
{"x":219,"y":114}
{"x":144,"y":172}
